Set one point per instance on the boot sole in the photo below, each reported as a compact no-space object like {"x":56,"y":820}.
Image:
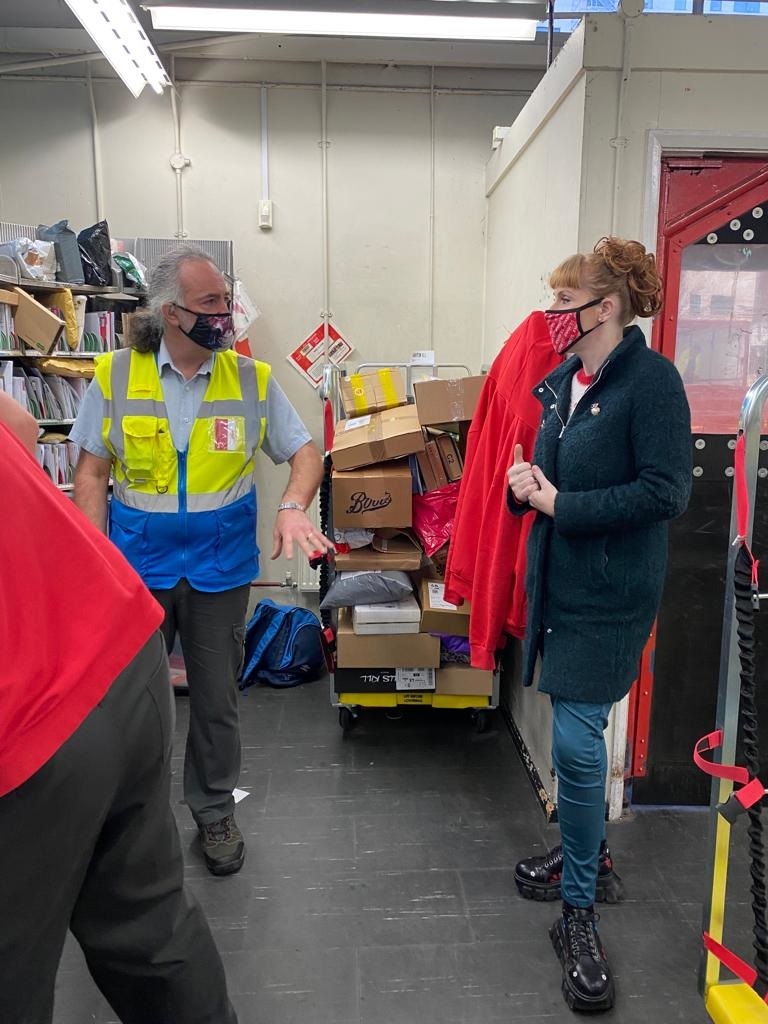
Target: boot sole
{"x":576,"y":1000}
{"x":610,"y":889}
{"x":227,"y":868}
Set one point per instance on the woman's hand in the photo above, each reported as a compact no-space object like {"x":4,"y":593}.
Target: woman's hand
{"x":520,"y":477}
{"x":543,"y":498}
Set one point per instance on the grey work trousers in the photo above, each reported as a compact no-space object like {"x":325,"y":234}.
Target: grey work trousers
{"x":211,"y":628}
{"x":90,"y":843}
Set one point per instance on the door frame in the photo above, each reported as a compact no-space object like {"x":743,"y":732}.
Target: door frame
{"x":662,"y":143}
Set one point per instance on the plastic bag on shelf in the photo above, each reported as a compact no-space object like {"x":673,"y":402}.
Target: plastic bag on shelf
{"x":69,"y":267}
{"x":135,"y":272}
{"x":349,"y":540}
{"x":433,"y":516}
{"x":36,"y":260}
{"x":351,"y":588}
{"x":96,"y":254}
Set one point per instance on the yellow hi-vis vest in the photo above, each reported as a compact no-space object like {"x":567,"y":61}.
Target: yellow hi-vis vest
{"x":185,"y":514}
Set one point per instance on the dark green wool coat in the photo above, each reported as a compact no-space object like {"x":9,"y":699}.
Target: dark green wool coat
{"x":622,"y":467}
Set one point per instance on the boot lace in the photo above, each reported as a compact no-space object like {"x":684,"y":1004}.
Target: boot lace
{"x":582,"y":936}
{"x":220,"y":831}
{"x":554,"y":858}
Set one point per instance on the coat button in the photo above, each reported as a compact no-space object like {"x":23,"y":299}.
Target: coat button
{"x":541,"y":391}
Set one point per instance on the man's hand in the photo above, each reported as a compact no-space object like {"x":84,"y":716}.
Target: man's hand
{"x":521,"y":478}
{"x":294,"y":527}
{"x":543,"y":498}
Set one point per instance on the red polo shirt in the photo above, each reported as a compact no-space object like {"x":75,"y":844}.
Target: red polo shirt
{"x":73,"y":614}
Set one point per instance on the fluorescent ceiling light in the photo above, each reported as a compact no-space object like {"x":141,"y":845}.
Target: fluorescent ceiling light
{"x":337,"y":23}
{"x":116,"y":31}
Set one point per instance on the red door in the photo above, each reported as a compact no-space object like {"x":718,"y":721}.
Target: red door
{"x":713,"y":254}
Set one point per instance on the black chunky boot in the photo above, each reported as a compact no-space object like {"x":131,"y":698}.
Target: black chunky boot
{"x":587,"y":980}
{"x":538,"y":878}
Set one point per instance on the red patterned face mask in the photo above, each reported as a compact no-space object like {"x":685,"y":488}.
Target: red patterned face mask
{"x":565,"y":326}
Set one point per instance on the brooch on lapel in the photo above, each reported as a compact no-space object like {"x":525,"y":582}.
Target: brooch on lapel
{"x":595,"y":409}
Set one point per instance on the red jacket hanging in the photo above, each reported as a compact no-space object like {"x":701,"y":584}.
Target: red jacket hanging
{"x":486,"y":558}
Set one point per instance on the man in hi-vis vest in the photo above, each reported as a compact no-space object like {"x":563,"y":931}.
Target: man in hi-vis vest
{"x":176,"y":421}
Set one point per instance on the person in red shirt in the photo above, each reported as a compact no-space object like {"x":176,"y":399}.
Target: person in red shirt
{"x":89,"y":841}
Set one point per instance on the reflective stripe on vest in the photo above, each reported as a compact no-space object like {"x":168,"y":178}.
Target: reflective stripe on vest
{"x":228,"y":430}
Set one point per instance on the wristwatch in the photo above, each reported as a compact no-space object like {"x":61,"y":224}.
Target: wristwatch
{"x":286,"y":506}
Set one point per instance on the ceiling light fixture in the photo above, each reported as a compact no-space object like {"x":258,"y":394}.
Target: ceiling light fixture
{"x":116,"y":31}
{"x":339,"y":23}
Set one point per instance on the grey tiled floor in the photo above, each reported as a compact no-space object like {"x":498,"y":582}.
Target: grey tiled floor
{"x":378,"y":886}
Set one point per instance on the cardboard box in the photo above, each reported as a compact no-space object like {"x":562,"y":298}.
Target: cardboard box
{"x":436,"y":463}
{"x":373,"y":496}
{"x":418,"y":650}
{"x":425,"y":469}
{"x":387,"y":680}
{"x":437,"y":616}
{"x":378,"y":437}
{"x":400,"y":554}
{"x":34,"y":324}
{"x":442,"y":403}
{"x":362,"y":393}
{"x":449,"y":453}
{"x":461,"y":679}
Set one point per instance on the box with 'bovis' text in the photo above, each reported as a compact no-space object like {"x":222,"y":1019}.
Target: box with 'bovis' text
{"x":372,"y":497}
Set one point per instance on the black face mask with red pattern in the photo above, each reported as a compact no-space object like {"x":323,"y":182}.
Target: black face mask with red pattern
{"x":565,"y":327}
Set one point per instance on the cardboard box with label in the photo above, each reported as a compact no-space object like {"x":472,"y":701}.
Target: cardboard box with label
{"x":460,"y":680}
{"x":385,"y":680}
{"x":437,"y":616}
{"x":363,"y":393}
{"x":443,"y":403}
{"x":379,"y":437}
{"x":418,"y":649}
{"x":372,"y":497}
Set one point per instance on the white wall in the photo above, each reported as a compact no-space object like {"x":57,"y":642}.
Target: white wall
{"x":534,"y":198}
{"x":379,"y":190}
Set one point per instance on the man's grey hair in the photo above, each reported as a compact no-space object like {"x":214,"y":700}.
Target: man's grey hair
{"x":147,"y":325}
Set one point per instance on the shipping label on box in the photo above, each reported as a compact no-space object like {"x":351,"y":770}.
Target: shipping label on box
{"x":365,"y":680}
{"x":366,"y":440}
{"x":442,"y":403}
{"x":415,"y":679}
{"x":372,"y":392}
{"x":437,"y":615}
{"x":372,"y":497}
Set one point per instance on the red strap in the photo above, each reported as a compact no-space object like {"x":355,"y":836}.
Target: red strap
{"x":712,"y":741}
{"x":734,"y":963}
{"x":750,"y":794}
{"x":328,"y":426}
{"x":740,"y":482}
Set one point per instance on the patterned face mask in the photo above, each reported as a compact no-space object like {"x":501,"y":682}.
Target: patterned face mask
{"x":214,"y":331}
{"x":565,"y":326}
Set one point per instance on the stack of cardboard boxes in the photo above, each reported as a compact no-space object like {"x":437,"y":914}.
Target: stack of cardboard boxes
{"x":386,"y":451}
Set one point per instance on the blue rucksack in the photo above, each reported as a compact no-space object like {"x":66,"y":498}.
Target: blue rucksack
{"x":283,"y":646}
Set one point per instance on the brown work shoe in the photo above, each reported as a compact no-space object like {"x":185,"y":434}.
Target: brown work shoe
{"x":223,"y":846}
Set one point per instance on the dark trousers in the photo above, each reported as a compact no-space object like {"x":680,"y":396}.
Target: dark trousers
{"x":90,"y":843}
{"x":211,"y":628}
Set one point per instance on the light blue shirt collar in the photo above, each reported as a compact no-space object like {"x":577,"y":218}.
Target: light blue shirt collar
{"x":164,"y":359}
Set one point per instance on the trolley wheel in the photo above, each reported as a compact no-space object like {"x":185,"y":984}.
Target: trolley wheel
{"x":481,"y":720}
{"x":347,"y":719}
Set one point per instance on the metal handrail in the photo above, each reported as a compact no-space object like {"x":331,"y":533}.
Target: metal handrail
{"x":729,"y":688}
